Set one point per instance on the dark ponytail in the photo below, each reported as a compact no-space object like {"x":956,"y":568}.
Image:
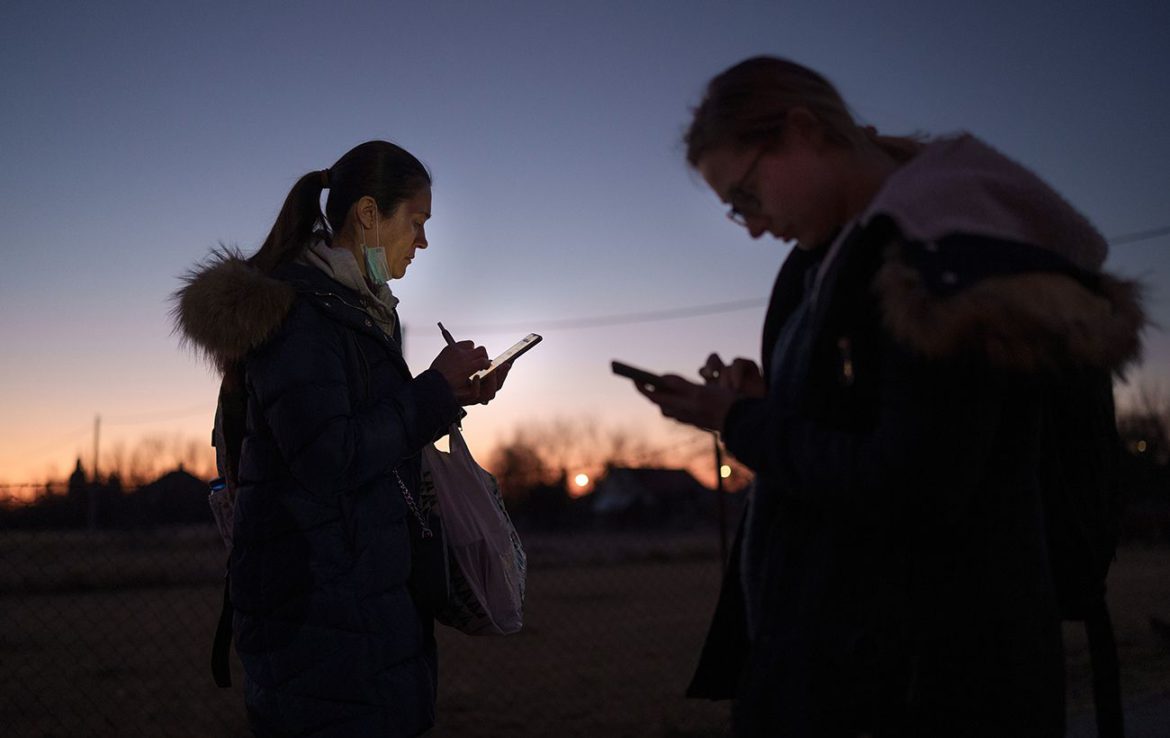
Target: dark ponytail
{"x":299,"y":217}
{"x":380,"y":169}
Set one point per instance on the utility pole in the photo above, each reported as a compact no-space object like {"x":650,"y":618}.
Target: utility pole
{"x":97,"y":428}
{"x":721,"y":501}
{"x":94,"y":489}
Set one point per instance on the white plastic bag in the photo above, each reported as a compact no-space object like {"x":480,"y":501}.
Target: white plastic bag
{"x":490,"y":568}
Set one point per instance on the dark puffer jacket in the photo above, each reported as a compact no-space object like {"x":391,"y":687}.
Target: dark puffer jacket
{"x":892,"y":576}
{"x":328,"y":624}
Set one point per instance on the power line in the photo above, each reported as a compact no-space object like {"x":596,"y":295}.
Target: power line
{"x":652,"y":316}
{"x":601,"y":321}
{"x":159,"y":416}
{"x":1136,"y":236}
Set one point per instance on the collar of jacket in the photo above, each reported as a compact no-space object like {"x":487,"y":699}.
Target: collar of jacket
{"x":226,"y":308}
{"x":340,"y":265}
{"x":340,"y":302}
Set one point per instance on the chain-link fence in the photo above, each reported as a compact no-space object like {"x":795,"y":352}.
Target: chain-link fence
{"x":108,"y":633}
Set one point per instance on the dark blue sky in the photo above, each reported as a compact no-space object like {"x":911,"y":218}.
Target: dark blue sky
{"x":135,"y":136}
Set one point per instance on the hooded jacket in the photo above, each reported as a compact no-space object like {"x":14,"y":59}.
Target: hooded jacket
{"x":332,"y":635}
{"x":944,"y":362}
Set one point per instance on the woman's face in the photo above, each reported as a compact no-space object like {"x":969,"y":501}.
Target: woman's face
{"x":404,"y":231}
{"x":791,"y":190}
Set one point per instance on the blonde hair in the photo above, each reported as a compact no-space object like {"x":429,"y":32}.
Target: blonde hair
{"x":747,"y":105}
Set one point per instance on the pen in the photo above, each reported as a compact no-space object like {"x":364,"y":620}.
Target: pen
{"x":446,"y":334}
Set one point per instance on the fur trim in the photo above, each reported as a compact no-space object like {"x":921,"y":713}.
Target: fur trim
{"x":1027,"y":322}
{"x":226,"y":308}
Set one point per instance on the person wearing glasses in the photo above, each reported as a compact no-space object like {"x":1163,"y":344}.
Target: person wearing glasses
{"x":938,"y":348}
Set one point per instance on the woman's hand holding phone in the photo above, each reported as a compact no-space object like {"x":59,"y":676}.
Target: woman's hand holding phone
{"x":486,"y":378}
{"x":458,"y":361}
{"x":484,"y":388}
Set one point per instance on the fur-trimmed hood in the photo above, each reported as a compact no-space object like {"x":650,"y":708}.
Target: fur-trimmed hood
{"x":226,"y":308}
{"x":1030,"y":321}
{"x":995,"y":264}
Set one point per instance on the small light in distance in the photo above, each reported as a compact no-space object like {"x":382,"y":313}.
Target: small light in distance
{"x":725,"y":471}
{"x":582,"y":480}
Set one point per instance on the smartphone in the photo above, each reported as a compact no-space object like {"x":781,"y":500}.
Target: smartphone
{"x":640,"y":376}
{"x":514,"y":351}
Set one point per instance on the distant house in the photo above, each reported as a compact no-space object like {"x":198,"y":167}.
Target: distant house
{"x":175,"y":497}
{"x":651,"y":497}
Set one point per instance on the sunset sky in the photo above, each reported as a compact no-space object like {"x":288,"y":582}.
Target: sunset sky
{"x":138,"y":135}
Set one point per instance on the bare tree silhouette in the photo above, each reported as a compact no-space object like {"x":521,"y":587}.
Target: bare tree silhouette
{"x":155,"y":454}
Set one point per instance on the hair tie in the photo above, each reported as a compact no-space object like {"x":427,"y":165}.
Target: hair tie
{"x":324,"y":179}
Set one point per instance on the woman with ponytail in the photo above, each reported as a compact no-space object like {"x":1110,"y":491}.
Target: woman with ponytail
{"x":937,"y":361}
{"x":334,"y":573}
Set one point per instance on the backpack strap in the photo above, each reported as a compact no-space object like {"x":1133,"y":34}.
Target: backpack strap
{"x":1106,"y":672}
{"x":221,"y":646}
{"x":231,"y":418}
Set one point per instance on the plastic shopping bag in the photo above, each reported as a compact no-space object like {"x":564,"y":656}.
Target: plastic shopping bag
{"x":489,"y":567}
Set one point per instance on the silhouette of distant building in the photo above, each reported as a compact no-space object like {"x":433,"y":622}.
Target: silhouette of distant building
{"x":175,"y":497}
{"x":652,"y":497}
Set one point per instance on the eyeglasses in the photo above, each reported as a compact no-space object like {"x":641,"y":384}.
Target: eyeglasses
{"x":743,"y":203}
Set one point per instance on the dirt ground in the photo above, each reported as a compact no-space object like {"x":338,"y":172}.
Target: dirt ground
{"x":606,"y":651}
{"x":608,"y":647}
{"x":627,"y":678}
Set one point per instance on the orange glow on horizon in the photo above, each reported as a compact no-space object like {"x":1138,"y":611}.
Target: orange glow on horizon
{"x":141,"y":455}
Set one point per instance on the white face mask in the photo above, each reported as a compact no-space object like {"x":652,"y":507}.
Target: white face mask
{"x":377,"y":268}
